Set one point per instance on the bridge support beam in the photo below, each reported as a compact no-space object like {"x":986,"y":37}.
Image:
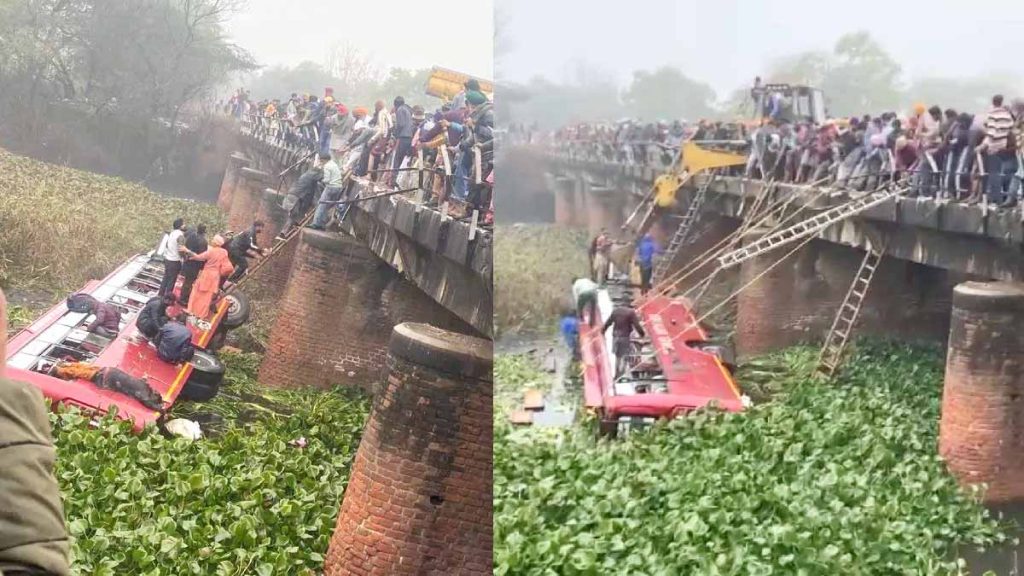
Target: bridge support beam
{"x":564,"y":201}
{"x":274,"y":275}
{"x":236,"y":162}
{"x":981,"y":432}
{"x":710,"y":230}
{"x":604,"y":209}
{"x":247,"y":197}
{"x":797,"y":301}
{"x":419,"y":498}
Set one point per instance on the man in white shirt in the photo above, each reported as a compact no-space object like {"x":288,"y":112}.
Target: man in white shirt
{"x":171,"y":250}
{"x":584,"y":295}
{"x":334,"y":181}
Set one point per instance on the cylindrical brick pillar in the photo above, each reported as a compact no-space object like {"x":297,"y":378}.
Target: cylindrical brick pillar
{"x":782,"y":307}
{"x":564,"y":203}
{"x":273,"y":276}
{"x":418,"y":501}
{"x":579,"y":204}
{"x":328,"y":330}
{"x":236,"y":162}
{"x":246,"y":199}
{"x":981,"y":432}
{"x":272,"y":215}
{"x":709,"y":231}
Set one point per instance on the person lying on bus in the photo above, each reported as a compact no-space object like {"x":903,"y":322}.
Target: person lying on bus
{"x":106,"y":318}
{"x":624,"y":320}
{"x":174,"y":343}
{"x":153,"y":315}
{"x":111,"y":378}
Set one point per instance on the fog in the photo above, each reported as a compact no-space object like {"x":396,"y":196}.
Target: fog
{"x":965,"y":50}
{"x":397,"y":34}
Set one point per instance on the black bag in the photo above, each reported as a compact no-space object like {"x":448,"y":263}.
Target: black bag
{"x":81,"y":303}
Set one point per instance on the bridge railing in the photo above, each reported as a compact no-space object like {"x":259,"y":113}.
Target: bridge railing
{"x":426,"y":178}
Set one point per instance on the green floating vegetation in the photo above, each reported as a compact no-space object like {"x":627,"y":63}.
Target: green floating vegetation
{"x":826,"y":478}
{"x":534,"y":266}
{"x":250,"y":500}
{"x":513,"y":374}
{"x":60,"y":227}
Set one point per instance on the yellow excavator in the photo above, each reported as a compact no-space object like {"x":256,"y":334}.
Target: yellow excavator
{"x":445,"y":84}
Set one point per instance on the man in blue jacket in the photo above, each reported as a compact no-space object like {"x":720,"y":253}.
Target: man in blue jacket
{"x":645,"y":258}
{"x":570,"y":328}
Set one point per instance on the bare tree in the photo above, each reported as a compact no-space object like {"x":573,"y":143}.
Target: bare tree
{"x":353,"y":68}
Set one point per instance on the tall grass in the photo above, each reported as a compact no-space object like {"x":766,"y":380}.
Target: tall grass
{"x":534,"y":266}
{"x":60,"y":227}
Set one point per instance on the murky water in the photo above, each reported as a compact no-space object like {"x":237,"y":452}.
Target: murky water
{"x":1007,"y":560}
{"x":551,"y":354}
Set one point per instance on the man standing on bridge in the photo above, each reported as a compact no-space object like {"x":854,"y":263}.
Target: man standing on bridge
{"x":334,"y":186}
{"x":404,"y":128}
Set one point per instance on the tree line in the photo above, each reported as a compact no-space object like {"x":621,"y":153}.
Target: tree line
{"x":857,"y":76}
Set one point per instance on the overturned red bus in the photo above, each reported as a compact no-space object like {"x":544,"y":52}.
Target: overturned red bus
{"x":679,"y":369}
{"x":60,"y":335}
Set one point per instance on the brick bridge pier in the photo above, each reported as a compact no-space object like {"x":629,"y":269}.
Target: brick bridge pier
{"x":398,"y":303}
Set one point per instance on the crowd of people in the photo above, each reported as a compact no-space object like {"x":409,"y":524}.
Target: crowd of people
{"x":934,"y":152}
{"x":448,"y":152}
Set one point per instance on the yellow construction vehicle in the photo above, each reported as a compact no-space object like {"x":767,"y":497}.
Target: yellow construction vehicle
{"x":692,"y":160}
{"x":445,"y":84}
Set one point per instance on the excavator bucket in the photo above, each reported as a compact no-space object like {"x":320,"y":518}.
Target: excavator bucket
{"x":696,"y":159}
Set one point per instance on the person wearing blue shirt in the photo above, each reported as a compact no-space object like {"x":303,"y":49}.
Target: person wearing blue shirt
{"x":570,"y":328}
{"x":645,"y":258}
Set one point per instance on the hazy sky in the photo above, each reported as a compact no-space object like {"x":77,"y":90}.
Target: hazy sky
{"x":456,"y":34}
{"x":727,"y":42}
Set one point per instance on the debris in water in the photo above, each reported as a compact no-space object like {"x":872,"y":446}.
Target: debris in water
{"x":184,"y":428}
{"x":298,"y":442}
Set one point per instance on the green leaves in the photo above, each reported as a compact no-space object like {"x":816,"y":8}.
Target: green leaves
{"x":241,"y":502}
{"x":840,"y":478}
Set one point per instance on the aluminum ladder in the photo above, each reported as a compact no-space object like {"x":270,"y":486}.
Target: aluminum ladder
{"x":683,"y":231}
{"x":807,"y":227}
{"x":845,"y":320}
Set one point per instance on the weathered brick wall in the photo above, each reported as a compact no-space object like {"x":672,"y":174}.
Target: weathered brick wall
{"x":981,"y":432}
{"x":418,"y":501}
{"x":236,"y":162}
{"x":246,"y":199}
{"x":336,"y":315}
{"x":564,"y":207}
{"x":710,"y":230}
{"x":797,"y":301}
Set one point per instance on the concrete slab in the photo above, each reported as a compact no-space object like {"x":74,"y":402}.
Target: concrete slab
{"x":1005,"y":225}
{"x":920,"y":212}
{"x":428,"y":229}
{"x":963,"y":219}
{"x":457,"y":245}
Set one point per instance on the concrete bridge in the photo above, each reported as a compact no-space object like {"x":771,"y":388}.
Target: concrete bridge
{"x":336,"y":296}
{"x":952,"y":273}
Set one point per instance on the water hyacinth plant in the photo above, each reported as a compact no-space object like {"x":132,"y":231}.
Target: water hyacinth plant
{"x":259,"y":497}
{"x":824,"y":478}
